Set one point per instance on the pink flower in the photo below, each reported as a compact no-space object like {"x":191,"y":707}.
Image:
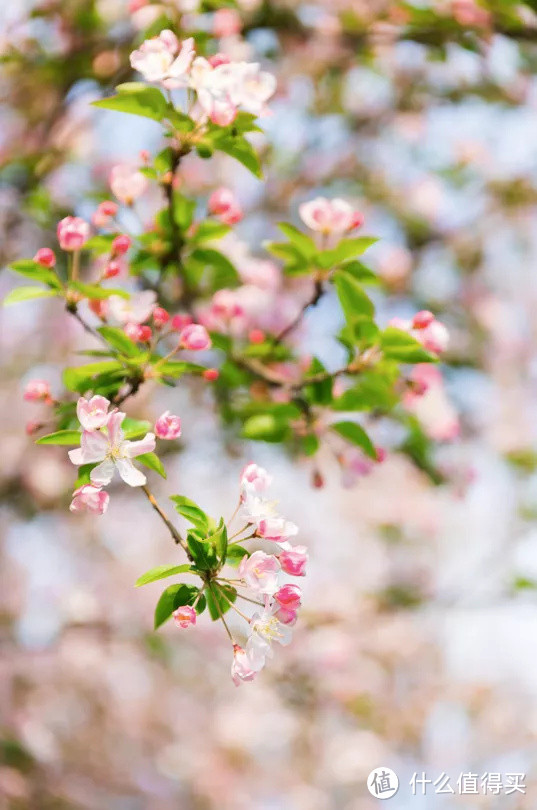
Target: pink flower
{"x":136,"y":309}
{"x":293,"y":561}
{"x":226,"y":22}
{"x":45,"y":257}
{"x":127,"y":183}
{"x":184,"y":616}
{"x":179,"y":321}
{"x":330,"y":216}
{"x":37,"y":390}
{"x":194,"y":337}
{"x":260,"y":572}
{"x":121,"y":245}
{"x":160,"y":317}
{"x":89,"y":498}
{"x":289,"y":596}
{"x":92,"y":413}
{"x":424,"y":327}
{"x":73,"y":233}
{"x":286,"y":616}
{"x":266,"y":628}
{"x":276,"y":529}
{"x":224,"y":204}
{"x":255,"y":478}
{"x":241,"y":669}
{"x":113,"y":451}
{"x":168,"y":426}
{"x":138,"y":333}
{"x":105,"y":211}
{"x":161,"y":59}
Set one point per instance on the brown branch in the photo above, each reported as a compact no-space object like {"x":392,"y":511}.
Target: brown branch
{"x":318,"y":292}
{"x":178,"y":538}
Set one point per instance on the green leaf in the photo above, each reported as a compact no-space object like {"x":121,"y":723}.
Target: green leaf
{"x":356,"y":434}
{"x":137,"y":99}
{"x":217,"y":602}
{"x":102,"y":243}
{"x":35,"y":271}
{"x":20,"y":294}
{"x":152,"y":462}
{"x":95,"y":291}
{"x":353,"y":299}
{"x":399,"y":345}
{"x":173,"y":597}
{"x":191,"y":512}
{"x":303,"y":243}
{"x":183,"y":210}
{"x":235,"y":553}
{"x":135,"y":428}
{"x":66,"y":437}
{"x":203,"y":553}
{"x":242,"y":150}
{"x":219,"y":540}
{"x":82,"y":378}
{"x":319,"y":393}
{"x":265,"y":427}
{"x":161,"y":572}
{"x":345,"y":250}
{"x":223,"y":272}
{"x":119,"y":340}
{"x":207,"y":230}
{"x":176,"y":368}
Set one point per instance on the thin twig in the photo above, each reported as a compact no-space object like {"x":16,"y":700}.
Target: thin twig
{"x":179,"y":539}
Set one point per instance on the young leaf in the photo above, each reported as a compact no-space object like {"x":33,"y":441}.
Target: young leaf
{"x":173,"y":597}
{"x":153,"y":462}
{"x":399,"y":345}
{"x":265,"y":427}
{"x":161,"y":572}
{"x":353,"y":299}
{"x":96,"y":291}
{"x":347,"y":249}
{"x":303,"y":243}
{"x":82,"y":378}
{"x":64,"y":437}
{"x":355,"y":433}
{"x":203,"y":553}
{"x":219,"y":598}
{"x":219,"y":540}
{"x":242,"y":150}
{"x":20,"y":294}
{"x":35,"y":271}
{"x":134,"y":428}
{"x":191,"y":512}
{"x":119,"y":340}
{"x":137,"y":99}
{"x":235,"y":553}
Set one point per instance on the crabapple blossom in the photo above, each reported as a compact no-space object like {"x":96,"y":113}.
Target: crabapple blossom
{"x":224,"y":204}
{"x":184,"y":616}
{"x":45,"y":257}
{"x":289,"y":596}
{"x":160,"y":317}
{"x":335,"y":216}
{"x":168,"y":426}
{"x":426,"y":329}
{"x":241,"y":668}
{"x":260,"y":572}
{"x":255,"y":478}
{"x":113,"y":451}
{"x":136,"y":309}
{"x":73,"y":233}
{"x":255,"y":508}
{"x":293,"y":560}
{"x":104,"y":213}
{"x":162,"y":59}
{"x":92,"y":413}
{"x":127,"y":183}
{"x":36,"y":390}
{"x":112,"y":269}
{"x":138,"y":333}
{"x":194,"y":337}
{"x":178,"y":322}
{"x":276,"y":529}
{"x":90,"y":498}
{"x":266,"y":629}
{"x":287,"y":616}
{"x":121,"y":245}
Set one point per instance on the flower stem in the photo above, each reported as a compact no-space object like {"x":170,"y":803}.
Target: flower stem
{"x":173,"y":531}
{"x":219,"y":609}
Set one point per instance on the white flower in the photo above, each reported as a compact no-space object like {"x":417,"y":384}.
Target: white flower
{"x":255,"y":508}
{"x":113,"y":451}
{"x":156,"y":59}
{"x":266,"y":628}
{"x":136,"y":309}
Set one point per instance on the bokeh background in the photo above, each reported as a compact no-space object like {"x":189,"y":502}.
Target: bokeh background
{"x":416,"y":647}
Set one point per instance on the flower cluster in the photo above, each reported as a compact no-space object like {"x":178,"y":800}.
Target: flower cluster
{"x":222,"y":87}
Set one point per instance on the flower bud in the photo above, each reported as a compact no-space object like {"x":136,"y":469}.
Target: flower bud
{"x":293,"y":561}
{"x":73,"y":233}
{"x":224,"y":204}
{"x":184,"y":616}
{"x":37,"y":390}
{"x":45,"y":257}
{"x":168,"y":426}
{"x":422,"y":319}
{"x":256,"y":336}
{"x":121,"y":245}
{"x":195,"y":337}
{"x":160,"y":317}
{"x":211,"y":374}
{"x":178,"y":322}
{"x":289,"y":596}
{"x":90,"y":498}
{"x":112,"y":269}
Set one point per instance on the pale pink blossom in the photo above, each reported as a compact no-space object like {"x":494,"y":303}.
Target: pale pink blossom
{"x":287,"y":616}
{"x":136,"y":309}
{"x":105,"y":212}
{"x":168,"y":426}
{"x":90,"y":498}
{"x":260,"y":572}
{"x":256,"y":508}
{"x":289,"y":596}
{"x":92,"y":413}
{"x":293,"y":561}
{"x":224,"y":204}
{"x":194,"y":337}
{"x":127,"y":183}
{"x":36,"y":390}
{"x":184,"y":616}
{"x":228,"y":86}
{"x":162,"y":59}
{"x":73,"y":233}
{"x":241,"y":668}
{"x":45,"y":257}
{"x":255,"y":478}
{"x":431,"y":333}
{"x":276,"y":529}
{"x":121,"y":245}
{"x":335,"y":216}
{"x":266,"y":629}
{"x":109,"y":447}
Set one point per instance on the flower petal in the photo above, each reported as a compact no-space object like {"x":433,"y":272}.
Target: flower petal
{"x":145,"y":445}
{"x":103,"y":473}
{"x":129,"y":473}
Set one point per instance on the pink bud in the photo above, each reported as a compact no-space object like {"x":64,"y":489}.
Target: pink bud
{"x":219,"y":59}
{"x":195,"y":337}
{"x":289,"y":596}
{"x":89,"y":498}
{"x":286,"y":615}
{"x":103,"y":214}
{"x":45,"y":257}
{"x":380,"y":454}
{"x":256,"y":336}
{"x":276,"y":529}
{"x":224,"y":204}
{"x":179,"y":322}
{"x":120,"y":245}
{"x":160,"y":317}
{"x":92,"y":413}
{"x":241,"y":668}
{"x":138,"y":333}
{"x":32,"y":426}
{"x":184,"y":616}
{"x":168,"y":426}
{"x":223,"y":114}
{"x":112,"y":269}
{"x":293,"y":561}
{"x":99,"y":306}
{"x":73,"y":233}
{"x":37,"y":390}
{"x":211,"y":374}
{"x":422,"y":319}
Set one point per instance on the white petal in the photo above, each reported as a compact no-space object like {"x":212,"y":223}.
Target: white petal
{"x":103,"y":473}
{"x":145,"y":445}
{"x":129,"y":473}
{"x":76,"y":456}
